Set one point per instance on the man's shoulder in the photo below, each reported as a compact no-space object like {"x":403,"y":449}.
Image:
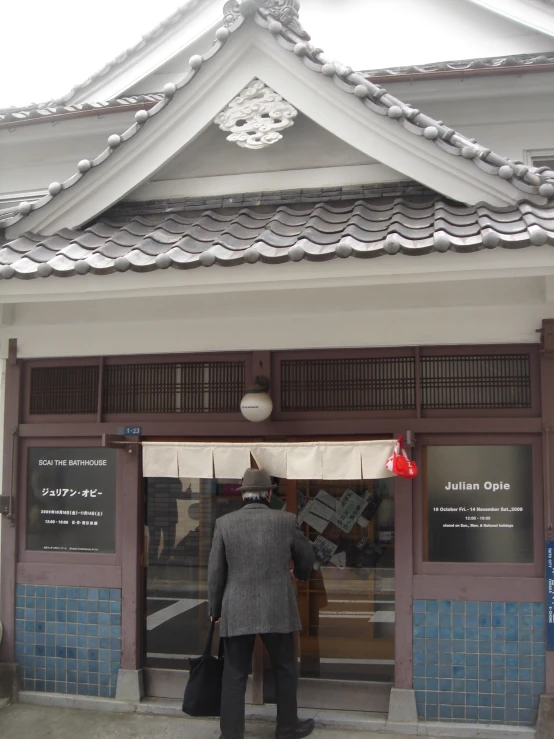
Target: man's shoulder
{"x":271,"y":513}
{"x":283,"y":518}
{"x":290,"y":517}
{"x":229,"y":517}
{"x":279,"y":515}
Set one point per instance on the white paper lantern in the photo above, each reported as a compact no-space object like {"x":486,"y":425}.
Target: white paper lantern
{"x":256,"y":406}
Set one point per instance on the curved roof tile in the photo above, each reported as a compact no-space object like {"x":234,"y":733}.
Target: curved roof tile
{"x":321,"y":231}
{"x":32,"y":113}
{"x":519,"y":61}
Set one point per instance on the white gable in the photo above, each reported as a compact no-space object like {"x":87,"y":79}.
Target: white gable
{"x":364,"y":117}
{"x":303,"y":146}
{"x":308,"y":156}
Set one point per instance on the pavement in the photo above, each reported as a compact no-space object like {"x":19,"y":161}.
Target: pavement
{"x":39,"y":722}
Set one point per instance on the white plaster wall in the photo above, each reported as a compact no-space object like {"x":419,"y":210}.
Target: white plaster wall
{"x":387,"y":327}
{"x":499,"y":113}
{"x":508,"y":116}
{"x":509,"y":122}
{"x":509,"y":126}
{"x":304,"y":145}
{"x":33,"y":156}
{"x":310,"y":314}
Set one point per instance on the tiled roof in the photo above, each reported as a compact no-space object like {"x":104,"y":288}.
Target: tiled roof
{"x":517,"y":61}
{"x":273,"y":234}
{"x":528,"y":180}
{"x":32,"y":113}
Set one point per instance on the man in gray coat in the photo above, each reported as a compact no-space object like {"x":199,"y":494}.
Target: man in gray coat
{"x":251,"y":592}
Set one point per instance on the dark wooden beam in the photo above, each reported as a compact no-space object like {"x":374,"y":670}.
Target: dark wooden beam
{"x":8,"y":552}
{"x":547,"y":400}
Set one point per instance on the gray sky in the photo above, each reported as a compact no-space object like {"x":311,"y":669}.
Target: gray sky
{"x":47,"y":46}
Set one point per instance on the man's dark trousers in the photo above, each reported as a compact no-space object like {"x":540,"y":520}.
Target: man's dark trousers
{"x":238,"y":660}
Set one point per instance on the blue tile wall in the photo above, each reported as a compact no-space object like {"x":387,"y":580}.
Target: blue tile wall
{"x":68,"y":640}
{"x":479,"y":662}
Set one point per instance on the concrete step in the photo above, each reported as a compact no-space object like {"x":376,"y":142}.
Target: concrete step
{"x":330,"y":724}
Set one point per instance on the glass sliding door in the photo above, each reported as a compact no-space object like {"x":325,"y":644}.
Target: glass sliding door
{"x":180,"y":520}
{"x":346,"y":648}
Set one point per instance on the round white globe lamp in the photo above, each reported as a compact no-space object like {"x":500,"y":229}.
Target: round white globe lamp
{"x":256,"y":405}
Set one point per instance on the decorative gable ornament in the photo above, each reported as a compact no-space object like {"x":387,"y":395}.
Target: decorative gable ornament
{"x":256,"y":116}
{"x":283,"y":11}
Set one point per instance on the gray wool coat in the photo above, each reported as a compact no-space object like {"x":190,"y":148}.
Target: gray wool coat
{"x":249,"y":582}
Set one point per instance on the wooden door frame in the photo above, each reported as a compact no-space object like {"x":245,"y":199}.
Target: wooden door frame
{"x":256,"y":684}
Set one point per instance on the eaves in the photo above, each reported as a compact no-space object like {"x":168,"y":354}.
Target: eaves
{"x":466,"y":71}
{"x":431,"y":88}
{"x":75,"y":112}
{"x":444,"y":73}
{"x":535,"y":14}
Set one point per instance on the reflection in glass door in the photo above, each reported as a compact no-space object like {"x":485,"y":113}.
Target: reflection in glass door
{"x":347,"y":607}
{"x":346,"y":648}
{"x":180,"y":520}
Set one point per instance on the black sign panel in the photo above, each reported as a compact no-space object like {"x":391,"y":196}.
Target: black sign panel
{"x":71,"y":499}
{"x":480,"y":503}
{"x":550,"y":596}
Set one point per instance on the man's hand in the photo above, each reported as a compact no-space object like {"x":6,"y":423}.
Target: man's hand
{"x":212,"y":619}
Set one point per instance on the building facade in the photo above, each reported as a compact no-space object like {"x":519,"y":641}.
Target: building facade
{"x":123,"y":438}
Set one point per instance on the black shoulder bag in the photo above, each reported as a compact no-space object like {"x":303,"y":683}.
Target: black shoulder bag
{"x":203,"y":691}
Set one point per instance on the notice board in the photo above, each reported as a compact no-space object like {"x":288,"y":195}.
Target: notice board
{"x":550,"y":595}
{"x":479,"y":502}
{"x":71,"y":499}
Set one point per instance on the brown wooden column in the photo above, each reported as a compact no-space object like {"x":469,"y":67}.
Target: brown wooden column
{"x":547,"y":412}
{"x":8,"y":559}
{"x":403,"y":579}
{"x":130,"y":547}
